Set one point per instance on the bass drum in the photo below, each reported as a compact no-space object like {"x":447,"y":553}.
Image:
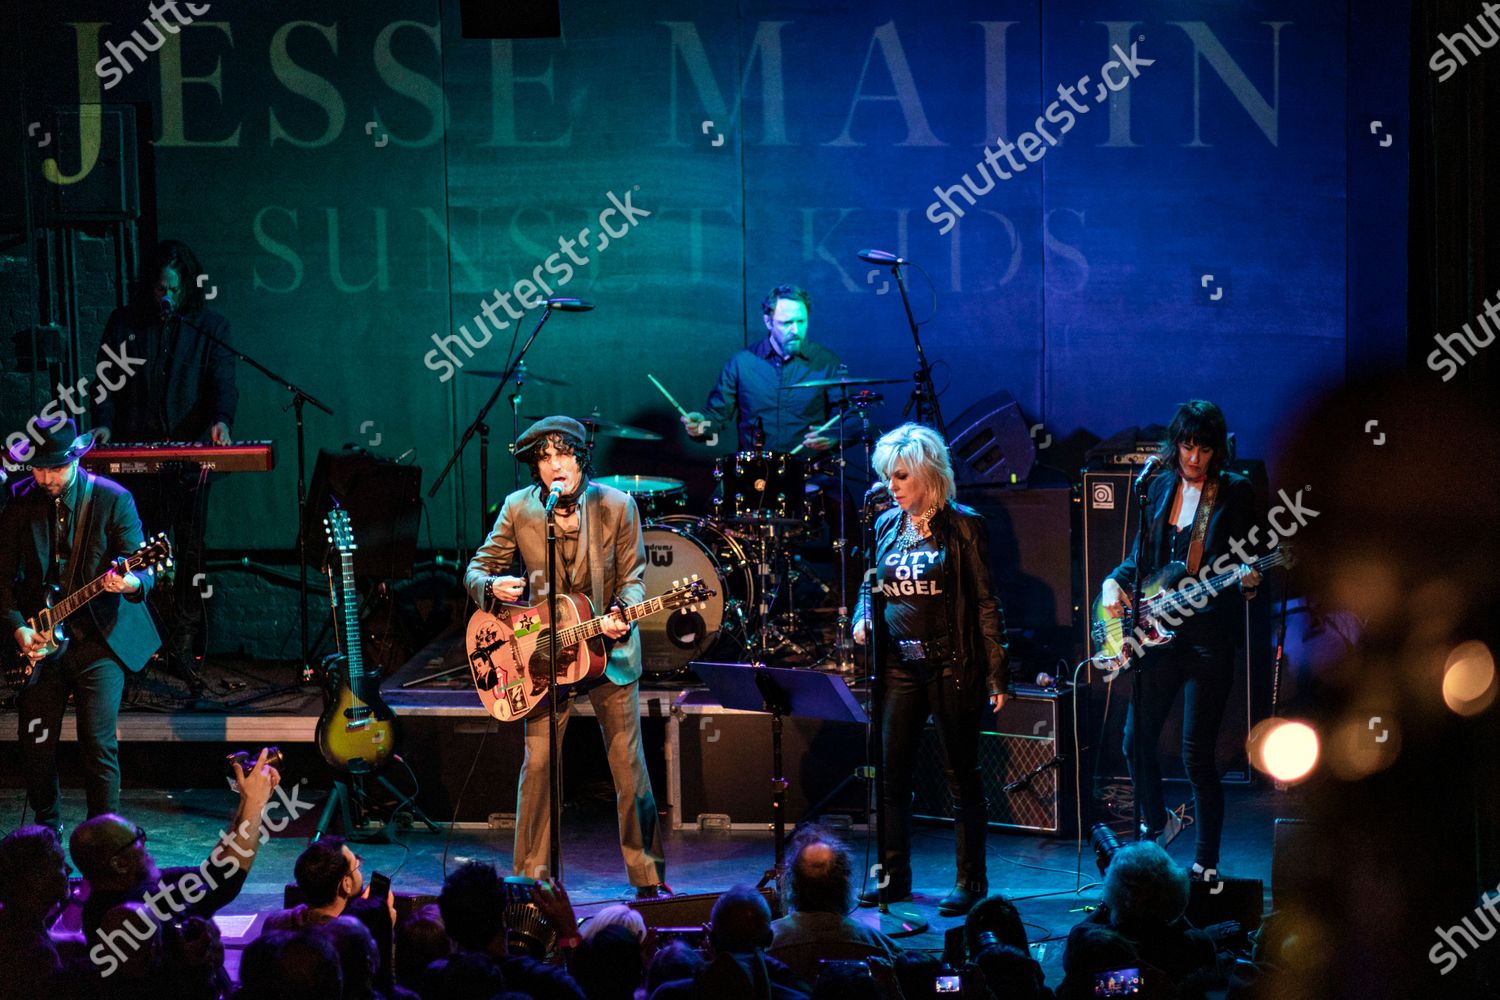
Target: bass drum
{"x":677,"y":547}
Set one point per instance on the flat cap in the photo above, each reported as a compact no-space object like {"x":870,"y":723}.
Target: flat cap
{"x":567,"y":428}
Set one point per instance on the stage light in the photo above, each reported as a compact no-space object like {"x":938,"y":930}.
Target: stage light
{"x":1469,"y":678}
{"x":1284,"y":749}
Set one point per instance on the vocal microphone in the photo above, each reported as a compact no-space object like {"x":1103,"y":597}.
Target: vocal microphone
{"x":879,"y":493}
{"x":1148,"y":470}
{"x":554,"y":495}
{"x":167,"y":307}
{"x":569,"y":305}
{"x":881,"y":257}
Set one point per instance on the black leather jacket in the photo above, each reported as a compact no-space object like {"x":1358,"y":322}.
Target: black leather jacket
{"x":975,"y":617}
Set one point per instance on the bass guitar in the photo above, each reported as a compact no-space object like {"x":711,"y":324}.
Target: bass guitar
{"x":155,"y":553}
{"x":1172,"y":593}
{"x":356,"y":733}
{"x":509,"y":652}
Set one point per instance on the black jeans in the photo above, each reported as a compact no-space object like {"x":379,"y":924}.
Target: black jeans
{"x":912,"y":692}
{"x":1205,"y":673}
{"x":96,"y":680}
{"x":176,"y":501}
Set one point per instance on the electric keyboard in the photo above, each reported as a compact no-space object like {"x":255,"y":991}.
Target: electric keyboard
{"x":127,"y":458}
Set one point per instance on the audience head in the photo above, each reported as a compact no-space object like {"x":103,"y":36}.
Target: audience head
{"x":420,"y":941}
{"x":672,"y":961}
{"x":1144,"y":886}
{"x":328,"y":871}
{"x":617,"y":915}
{"x":740,"y":921}
{"x":464,"y":975}
{"x":1091,"y":950}
{"x":110,"y":852}
{"x":916,"y":972}
{"x":846,"y":981}
{"x":995,"y":915}
{"x":821,"y":878}
{"x":33,"y":871}
{"x":1010,"y":972}
{"x":359,"y":955}
{"x":607,"y":965}
{"x":307,"y":967}
{"x":473,"y":906}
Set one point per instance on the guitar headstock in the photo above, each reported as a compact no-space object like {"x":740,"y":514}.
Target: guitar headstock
{"x":340,"y":530}
{"x":691,"y":594}
{"x":155,"y":554}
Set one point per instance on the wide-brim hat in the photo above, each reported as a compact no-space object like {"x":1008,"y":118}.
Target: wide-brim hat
{"x":570,"y":430}
{"x":61,"y":443}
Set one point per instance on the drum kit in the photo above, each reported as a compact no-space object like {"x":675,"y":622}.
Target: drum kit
{"x":767,"y":509}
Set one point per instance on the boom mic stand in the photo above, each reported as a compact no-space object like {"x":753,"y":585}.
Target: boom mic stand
{"x":923,"y":394}
{"x":299,"y":397}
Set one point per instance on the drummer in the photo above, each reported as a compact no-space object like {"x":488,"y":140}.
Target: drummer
{"x":753,"y":384}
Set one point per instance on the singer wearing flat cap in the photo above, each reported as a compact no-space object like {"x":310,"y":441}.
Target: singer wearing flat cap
{"x":601,"y":554}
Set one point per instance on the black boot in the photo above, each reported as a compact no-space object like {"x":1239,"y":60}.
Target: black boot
{"x":962,"y":898}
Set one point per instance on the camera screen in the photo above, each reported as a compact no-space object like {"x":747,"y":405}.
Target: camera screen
{"x":1117,"y":983}
{"x":949,"y":984}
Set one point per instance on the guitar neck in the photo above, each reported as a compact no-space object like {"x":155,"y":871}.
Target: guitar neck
{"x":1177,"y":599}
{"x":353,"y":651}
{"x":594,"y":627}
{"x":78,"y":598}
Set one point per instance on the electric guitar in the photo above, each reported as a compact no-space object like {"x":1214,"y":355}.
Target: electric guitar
{"x":155,"y":553}
{"x":1170,"y":591}
{"x":356,"y":733}
{"x":509,"y":652}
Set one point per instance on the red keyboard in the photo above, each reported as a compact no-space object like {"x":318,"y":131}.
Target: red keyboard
{"x":128,"y":458}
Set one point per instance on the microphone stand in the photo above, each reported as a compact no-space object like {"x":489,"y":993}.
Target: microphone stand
{"x":554,"y":766}
{"x":300,"y":397}
{"x":483,"y":430}
{"x":1128,"y":625}
{"x":923,"y":393}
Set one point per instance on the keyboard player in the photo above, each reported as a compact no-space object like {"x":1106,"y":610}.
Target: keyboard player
{"x":185,"y":391}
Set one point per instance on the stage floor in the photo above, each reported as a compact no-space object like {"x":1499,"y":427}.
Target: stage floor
{"x":1038,"y":873}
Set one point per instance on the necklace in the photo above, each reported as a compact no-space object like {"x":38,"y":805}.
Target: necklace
{"x":914,"y":528}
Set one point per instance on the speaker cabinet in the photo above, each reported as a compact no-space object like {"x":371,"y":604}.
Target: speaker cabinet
{"x":990,"y":442}
{"x":1026,"y":758}
{"x":1108,"y":529}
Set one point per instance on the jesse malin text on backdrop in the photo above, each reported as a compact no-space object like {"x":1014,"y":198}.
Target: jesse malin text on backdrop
{"x":529,"y":292}
{"x":1030,"y":143}
{"x":157,"y":23}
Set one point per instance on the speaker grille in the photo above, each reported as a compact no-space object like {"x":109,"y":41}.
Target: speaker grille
{"x":1003,"y":758}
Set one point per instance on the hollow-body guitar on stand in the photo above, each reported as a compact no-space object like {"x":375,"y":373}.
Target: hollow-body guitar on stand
{"x":357,"y":731}
{"x":509,"y":651}
{"x":155,"y":553}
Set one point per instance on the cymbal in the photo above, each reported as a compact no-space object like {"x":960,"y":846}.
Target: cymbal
{"x":610,"y":428}
{"x":830,"y":383}
{"x":530,"y":376}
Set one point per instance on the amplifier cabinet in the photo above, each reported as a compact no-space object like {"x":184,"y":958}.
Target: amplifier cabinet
{"x":719,"y":766}
{"x":1029,"y":741}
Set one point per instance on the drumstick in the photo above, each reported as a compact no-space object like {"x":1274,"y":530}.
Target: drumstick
{"x":818,"y":430}
{"x":664,"y":392}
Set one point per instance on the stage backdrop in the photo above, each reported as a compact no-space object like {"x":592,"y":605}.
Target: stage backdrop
{"x":1112,"y":212}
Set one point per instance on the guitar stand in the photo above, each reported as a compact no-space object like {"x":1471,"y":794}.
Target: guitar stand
{"x":350,"y":797}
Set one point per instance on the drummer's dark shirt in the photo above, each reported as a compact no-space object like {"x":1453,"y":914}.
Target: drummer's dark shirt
{"x":753,"y":385}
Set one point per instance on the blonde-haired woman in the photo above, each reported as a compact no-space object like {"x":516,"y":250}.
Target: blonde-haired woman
{"x":941,"y":643}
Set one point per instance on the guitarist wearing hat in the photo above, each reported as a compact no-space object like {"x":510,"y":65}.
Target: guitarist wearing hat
{"x":602,"y":554}
{"x":65,"y":528}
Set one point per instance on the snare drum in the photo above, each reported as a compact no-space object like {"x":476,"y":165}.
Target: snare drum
{"x":762,"y":487}
{"x":676,"y":548}
{"x":656,"y":496}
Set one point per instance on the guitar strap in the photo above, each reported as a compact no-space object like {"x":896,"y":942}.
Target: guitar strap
{"x":1200,"y":525}
{"x":80,"y":523}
